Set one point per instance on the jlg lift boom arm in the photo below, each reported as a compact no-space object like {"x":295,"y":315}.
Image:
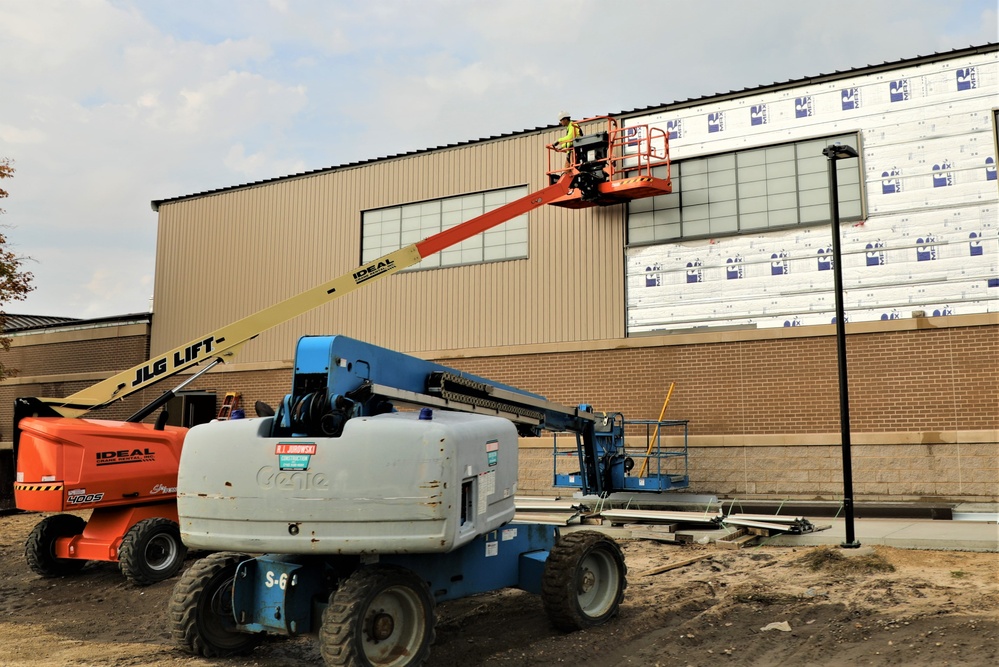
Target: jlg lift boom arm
{"x":226,"y":342}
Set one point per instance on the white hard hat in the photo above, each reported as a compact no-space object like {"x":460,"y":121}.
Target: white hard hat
{"x":564,"y":114}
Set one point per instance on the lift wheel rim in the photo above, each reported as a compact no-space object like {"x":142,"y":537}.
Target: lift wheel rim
{"x":161,"y":552}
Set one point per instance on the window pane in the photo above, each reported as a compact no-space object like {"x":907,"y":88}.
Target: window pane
{"x":778,"y":186}
{"x":724,"y":225}
{"x":389,"y":229}
{"x":640,"y":206}
{"x":641,"y":220}
{"x":667,"y":217}
{"x":785,"y":217}
{"x":761,"y":188}
{"x":813,"y":197}
{"x":754,"y":189}
{"x":692,"y":167}
{"x":753,"y":221}
{"x":722,"y":209}
{"x":753,"y":173}
{"x":497,"y":198}
{"x":695,"y":228}
{"x":780,"y":169}
{"x":776,"y":202}
{"x":695,"y":212}
{"x":724,"y":193}
{"x":668,"y":232}
{"x":752,"y":205}
{"x":813,"y":164}
{"x":694,"y":197}
{"x":850,"y":209}
{"x":752,"y":158}
{"x":694,"y":182}
{"x":780,"y":153}
{"x":817,"y":181}
{"x":641,"y":235}
{"x":815,"y":213}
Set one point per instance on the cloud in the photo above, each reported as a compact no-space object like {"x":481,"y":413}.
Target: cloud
{"x":111,"y":104}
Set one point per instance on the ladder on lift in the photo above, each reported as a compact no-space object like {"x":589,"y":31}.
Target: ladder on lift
{"x":229,"y":403}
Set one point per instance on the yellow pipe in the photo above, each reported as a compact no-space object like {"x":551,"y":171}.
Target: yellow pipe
{"x":655,"y":434}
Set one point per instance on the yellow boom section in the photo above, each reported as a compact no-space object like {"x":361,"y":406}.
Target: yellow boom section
{"x":225,"y":343}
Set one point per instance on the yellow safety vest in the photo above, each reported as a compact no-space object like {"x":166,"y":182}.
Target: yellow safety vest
{"x":571,"y":132}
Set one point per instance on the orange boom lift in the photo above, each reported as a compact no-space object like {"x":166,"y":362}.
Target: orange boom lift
{"x":126,"y":472}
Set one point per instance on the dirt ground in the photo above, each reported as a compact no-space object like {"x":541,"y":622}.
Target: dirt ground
{"x":891,"y":607}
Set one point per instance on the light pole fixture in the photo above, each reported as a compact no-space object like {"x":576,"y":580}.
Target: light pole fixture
{"x":834,"y":153}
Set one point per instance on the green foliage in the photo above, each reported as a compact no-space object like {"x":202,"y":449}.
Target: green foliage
{"x":15,"y":283}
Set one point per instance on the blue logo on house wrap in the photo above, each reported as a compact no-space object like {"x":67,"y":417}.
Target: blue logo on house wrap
{"x":825,"y":259}
{"x":890,"y":181}
{"x":803,"y":107}
{"x":893,"y":315}
{"x":990,"y":168}
{"x":779,"y":265}
{"x":926,"y":249}
{"x":876,"y":255}
{"x":942,"y":176}
{"x":967,"y":78}
{"x":946,"y":310}
{"x":734,"y":269}
{"x":653,"y":275}
{"x":975,"y":247}
{"x":850,"y":98}
{"x":695,"y":273}
{"x":758,"y":114}
{"x":675,"y":128}
{"x":716,"y":121}
{"x":898,"y":91}
{"x":796,"y":322}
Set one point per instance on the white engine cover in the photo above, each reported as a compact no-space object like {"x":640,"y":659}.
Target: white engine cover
{"x":389,"y":484}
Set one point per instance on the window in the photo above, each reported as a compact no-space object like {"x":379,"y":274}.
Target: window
{"x":387,"y":229}
{"x":748,"y":191}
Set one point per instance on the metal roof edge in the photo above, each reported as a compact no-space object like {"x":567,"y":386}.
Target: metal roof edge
{"x":76,"y":323}
{"x":818,"y":78}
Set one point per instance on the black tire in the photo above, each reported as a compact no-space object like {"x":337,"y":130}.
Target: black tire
{"x":151,"y":551}
{"x":39,"y":549}
{"x":381,"y":616}
{"x":200,"y":609}
{"x":584,"y":580}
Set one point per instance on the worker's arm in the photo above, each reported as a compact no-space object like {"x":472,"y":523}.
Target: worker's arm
{"x":572,"y":131}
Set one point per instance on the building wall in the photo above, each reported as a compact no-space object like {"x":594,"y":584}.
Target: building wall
{"x":761,"y":397}
{"x":260,"y":245}
{"x":929,"y":239}
{"x":58,"y":362}
{"x":763,"y":406}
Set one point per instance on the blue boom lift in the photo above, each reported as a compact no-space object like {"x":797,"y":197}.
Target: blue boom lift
{"x":367,"y":516}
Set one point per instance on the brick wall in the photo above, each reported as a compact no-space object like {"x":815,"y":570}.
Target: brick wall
{"x":78,"y":356}
{"x":931,"y":380}
{"x":763,"y":413}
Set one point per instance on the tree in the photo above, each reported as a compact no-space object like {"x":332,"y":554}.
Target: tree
{"x":14,"y":282}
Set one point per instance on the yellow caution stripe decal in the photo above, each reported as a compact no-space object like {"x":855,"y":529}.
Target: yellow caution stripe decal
{"x":629,"y":181}
{"x":37,"y":487}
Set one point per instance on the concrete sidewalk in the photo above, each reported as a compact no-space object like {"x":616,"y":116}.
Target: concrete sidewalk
{"x":901,"y":533}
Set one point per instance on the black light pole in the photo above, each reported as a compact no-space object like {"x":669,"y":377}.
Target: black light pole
{"x":834,"y":153}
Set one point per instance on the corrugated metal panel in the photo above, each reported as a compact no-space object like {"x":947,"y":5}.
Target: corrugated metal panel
{"x":675,"y":105}
{"x":225,"y":256}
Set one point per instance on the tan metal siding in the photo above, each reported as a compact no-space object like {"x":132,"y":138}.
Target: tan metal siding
{"x":224,"y":256}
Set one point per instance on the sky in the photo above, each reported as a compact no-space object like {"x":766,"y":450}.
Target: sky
{"x":107,"y":105}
